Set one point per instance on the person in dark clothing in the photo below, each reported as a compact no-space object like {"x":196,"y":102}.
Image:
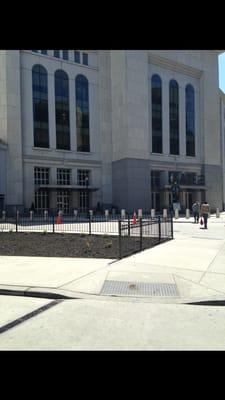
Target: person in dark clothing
{"x":196,"y":211}
{"x":205,"y":209}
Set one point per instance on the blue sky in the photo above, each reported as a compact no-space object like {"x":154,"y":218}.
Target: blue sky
{"x":222,"y":72}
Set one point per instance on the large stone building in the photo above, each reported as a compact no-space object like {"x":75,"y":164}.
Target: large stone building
{"x":86,"y":129}
{"x":222,"y":116}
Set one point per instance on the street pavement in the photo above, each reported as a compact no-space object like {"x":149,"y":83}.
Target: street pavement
{"x":112,"y":324}
{"x":194,"y":263}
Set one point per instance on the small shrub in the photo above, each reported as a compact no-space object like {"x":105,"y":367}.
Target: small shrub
{"x":88,"y":246}
{"x":108,"y":245}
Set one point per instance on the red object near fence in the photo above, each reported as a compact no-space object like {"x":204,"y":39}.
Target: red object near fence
{"x":58,"y":220}
{"x":134,"y":218}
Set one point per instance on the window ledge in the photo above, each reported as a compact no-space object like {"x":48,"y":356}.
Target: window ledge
{"x":41,"y":148}
{"x":63,"y":150}
{"x":87,"y":153}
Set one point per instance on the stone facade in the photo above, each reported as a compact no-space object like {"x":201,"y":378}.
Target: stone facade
{"x":121,"y":162}
{"x":222,"y":118}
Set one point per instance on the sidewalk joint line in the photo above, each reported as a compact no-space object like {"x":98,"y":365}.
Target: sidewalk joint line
{"x":25,"y":317}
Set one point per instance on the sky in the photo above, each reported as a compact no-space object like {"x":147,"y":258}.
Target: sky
{"x":222,"y":72}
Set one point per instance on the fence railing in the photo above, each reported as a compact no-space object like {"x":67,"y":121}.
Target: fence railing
{"x":134,"y":235}
{"x":146,"y":233}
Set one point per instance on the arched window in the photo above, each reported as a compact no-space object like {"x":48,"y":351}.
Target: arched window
{"x":190,"y":120}
{"x":82,"y":113}
{"x":62,"y":110}
{"x":174,"y":117}
{"x":156,"y":114}
{"x":40,"y":106}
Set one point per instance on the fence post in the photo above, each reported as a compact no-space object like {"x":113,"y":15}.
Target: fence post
{"x":53,"y":223}
{"x":140,"y":219}
{"x":106,"y":214}
{"x":17,"y":219}
{"x":187,"y":213}
{"x":140,"y":213}
{"x":123,"y":214}
{"x":45,"y":215}
{"x":171,"y":220}
{"x":159,"y":222}
{"x":120,"y":239}
{"x":164,"y":213}
{"x":90,"y":215}
{"x":128,"y":220}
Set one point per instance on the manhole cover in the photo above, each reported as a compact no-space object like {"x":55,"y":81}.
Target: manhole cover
{"x":121,"y":288}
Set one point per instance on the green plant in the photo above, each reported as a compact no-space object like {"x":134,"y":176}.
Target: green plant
{"x":108,"y":245}
{"x":88,"y":244}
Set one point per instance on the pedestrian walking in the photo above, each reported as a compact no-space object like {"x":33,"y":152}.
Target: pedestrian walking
{"x":196,"y":211}
{"x":205,"y":208}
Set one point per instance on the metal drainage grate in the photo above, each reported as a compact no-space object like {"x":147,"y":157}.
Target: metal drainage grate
{"x":139,"y":289}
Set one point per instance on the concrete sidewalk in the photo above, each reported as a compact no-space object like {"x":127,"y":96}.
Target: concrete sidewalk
{"x":194,"y":263}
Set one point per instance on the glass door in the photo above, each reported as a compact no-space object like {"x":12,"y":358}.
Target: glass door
{"x":84,"y":201}
{"x":63,"y":201}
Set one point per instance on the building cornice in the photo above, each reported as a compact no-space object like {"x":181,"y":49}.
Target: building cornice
{"x":35,"y":159}
{"x":174,"y":66}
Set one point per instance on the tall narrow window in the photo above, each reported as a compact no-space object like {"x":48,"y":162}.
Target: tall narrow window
{"x":190,"y":120}
{"x":156,"y":114}
{"x":174,"y":118}
{"x":57,"y":53}
{"x":85,"y":58}
{"x":66,"y":54}
{"x":41,"y":177}
{"x":82,"y":113}
{"x":40,"y":106}
{"x":77,"y":56}
{"x":62,"y":110}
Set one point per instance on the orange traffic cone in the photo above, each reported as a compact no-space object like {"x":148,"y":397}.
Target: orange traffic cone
{"x":58,"y":219}
{"x":134,"y":218}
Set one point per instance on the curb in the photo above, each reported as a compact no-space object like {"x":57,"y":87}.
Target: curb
{"x":32,"y":293}
{"x":80,"y":296}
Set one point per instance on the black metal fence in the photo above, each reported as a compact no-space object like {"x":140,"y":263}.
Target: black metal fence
{"x":134,"y":235}
{"x":145,"y":233}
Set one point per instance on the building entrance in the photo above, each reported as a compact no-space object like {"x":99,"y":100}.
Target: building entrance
{"x":84,"y":201}
{"x":156,"y":200}
{"x":188,"y":200}
{"x":63,"y":201}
